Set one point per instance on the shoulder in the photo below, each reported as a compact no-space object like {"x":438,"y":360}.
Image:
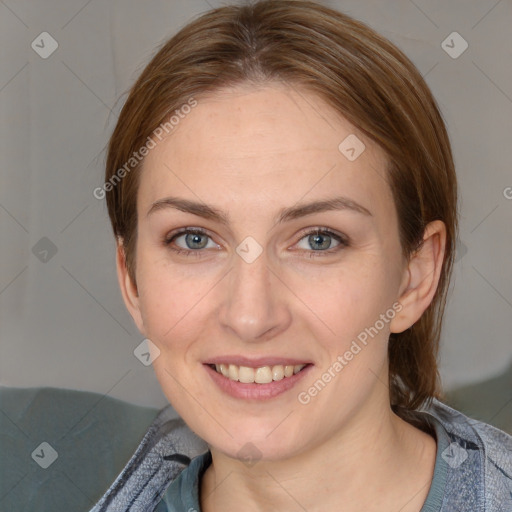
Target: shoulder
{"x":489,"y":455}
{"x":496,"y":443}
{"x":166,"y":449}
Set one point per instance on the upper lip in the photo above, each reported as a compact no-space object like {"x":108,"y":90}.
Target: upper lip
{"x":256,"y":362}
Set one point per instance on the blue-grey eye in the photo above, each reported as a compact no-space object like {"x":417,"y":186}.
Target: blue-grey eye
{"x":319,"y":241}
{"x":196,"y":240}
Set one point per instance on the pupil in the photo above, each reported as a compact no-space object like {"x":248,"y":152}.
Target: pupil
{"x":318,"y":239}
{"x":194,"y":239}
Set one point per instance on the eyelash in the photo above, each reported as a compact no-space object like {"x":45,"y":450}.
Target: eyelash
{"x":343,"y":241}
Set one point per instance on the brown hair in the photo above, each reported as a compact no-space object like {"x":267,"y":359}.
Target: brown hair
{"x":362,"y":76}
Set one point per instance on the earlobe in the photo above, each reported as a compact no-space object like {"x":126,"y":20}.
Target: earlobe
{"x":421,"y":277}
{"x":128,"y":288}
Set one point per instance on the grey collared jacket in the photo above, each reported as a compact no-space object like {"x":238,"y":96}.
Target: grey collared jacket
{"x":478,"y":456}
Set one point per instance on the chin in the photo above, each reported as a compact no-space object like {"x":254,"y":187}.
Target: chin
{"x":256,"y":440}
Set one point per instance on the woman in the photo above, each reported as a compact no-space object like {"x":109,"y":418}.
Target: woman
{"x":282,"y":190}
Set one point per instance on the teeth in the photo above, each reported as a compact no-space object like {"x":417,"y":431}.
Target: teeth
{"x":262,"y":375}
{"x":246,"y":374}
{"x":224,"y":370}
{"x":233,"y":372}
{"x":277,"y":372}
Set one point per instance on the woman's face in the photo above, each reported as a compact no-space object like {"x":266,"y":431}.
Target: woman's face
{"x":258,"y":170}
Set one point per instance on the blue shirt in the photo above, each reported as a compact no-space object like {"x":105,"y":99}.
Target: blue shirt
{"x":183,"y":494}
{"x":473,"y":468}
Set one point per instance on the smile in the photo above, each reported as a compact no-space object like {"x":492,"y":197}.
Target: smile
{"x":261,"y":375}
{"x":263,"y":380}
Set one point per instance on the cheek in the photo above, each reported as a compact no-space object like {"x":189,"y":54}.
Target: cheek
{"x":175,"y":301}
{"x":346,"y":300}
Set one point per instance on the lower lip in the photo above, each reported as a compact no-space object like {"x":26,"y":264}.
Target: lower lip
{"x":255,"y":391}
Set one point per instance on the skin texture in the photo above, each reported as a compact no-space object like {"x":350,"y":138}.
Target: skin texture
{"x":250,"y":151}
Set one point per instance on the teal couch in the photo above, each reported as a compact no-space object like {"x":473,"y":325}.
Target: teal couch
{"x":90,"y":436}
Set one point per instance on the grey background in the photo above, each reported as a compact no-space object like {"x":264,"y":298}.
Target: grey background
{"x":62,"y":321}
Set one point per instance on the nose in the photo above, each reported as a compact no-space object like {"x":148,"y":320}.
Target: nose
{"x":254,"y":306}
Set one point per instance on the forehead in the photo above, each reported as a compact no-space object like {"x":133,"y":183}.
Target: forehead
{"x":263,"y":147}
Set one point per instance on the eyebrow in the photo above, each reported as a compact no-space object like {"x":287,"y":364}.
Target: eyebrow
{"x":286,"y":214}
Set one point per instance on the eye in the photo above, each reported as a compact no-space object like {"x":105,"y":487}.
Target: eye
{"x":192,"y":240}
{"x":317,"y":242}
{"x":321,"y":240}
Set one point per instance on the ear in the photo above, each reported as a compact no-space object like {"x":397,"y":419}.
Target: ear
{"x":128,"y":288}
{"x":421,"y":277}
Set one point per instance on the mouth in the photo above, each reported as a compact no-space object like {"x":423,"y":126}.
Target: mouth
{"x":256,"y":379}
{"x":259,"y":375}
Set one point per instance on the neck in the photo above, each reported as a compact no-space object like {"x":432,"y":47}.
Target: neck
{"x":375,"y":464}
